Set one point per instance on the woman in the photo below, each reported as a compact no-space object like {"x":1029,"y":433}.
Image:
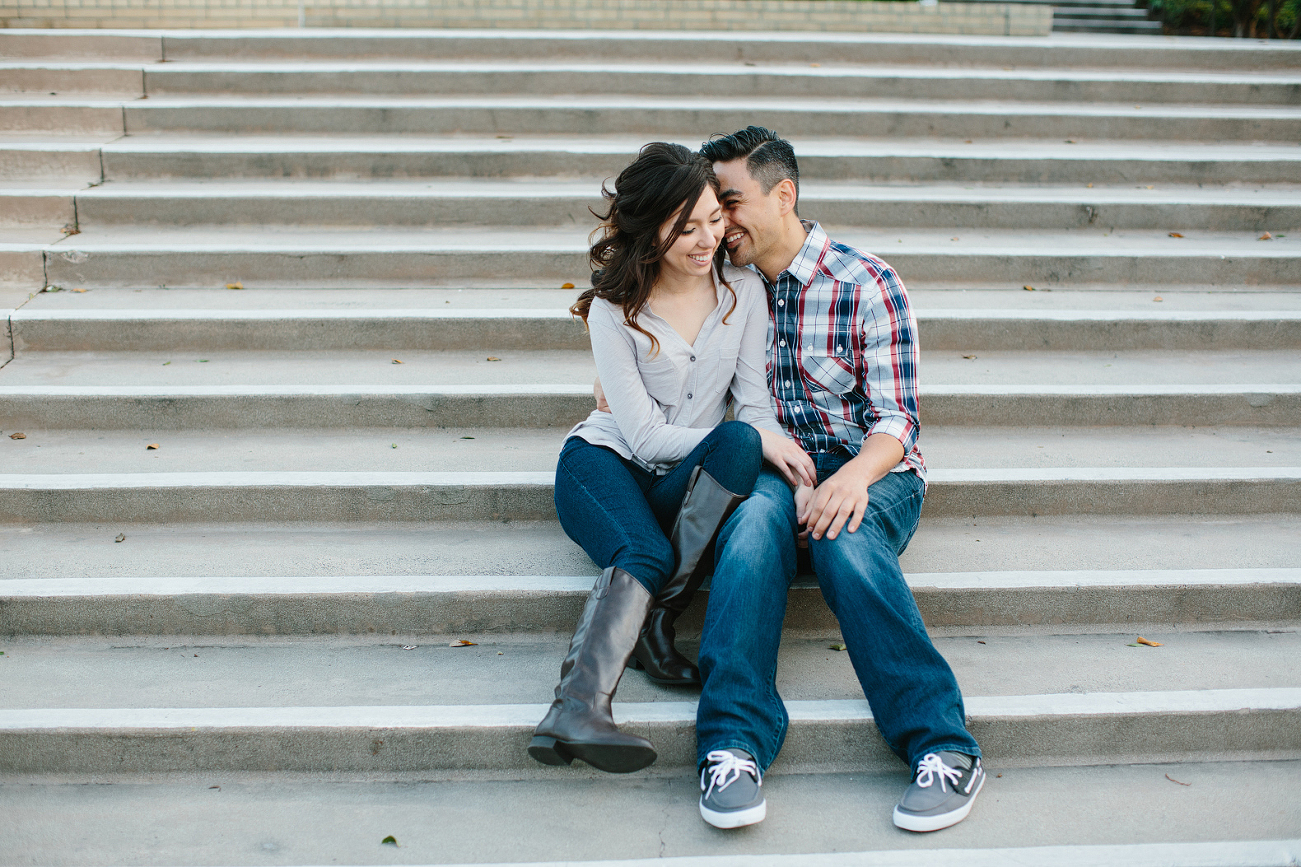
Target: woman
{"x":645,"y":487}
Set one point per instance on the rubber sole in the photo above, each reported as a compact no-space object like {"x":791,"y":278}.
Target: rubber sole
{"x":921,"y":824}
{"x":636,"y":664}
{"x":734,"y":818}
{"x":611,"y":758}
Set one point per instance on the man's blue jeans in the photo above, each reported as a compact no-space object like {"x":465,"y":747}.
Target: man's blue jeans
{"x":914,"y":697}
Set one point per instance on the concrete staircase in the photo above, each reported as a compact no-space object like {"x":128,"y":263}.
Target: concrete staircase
{"x":322,"y":273}
{"x":1095,"y":16}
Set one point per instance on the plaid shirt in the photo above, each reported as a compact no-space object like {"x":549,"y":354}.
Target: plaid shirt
{"x":844,"y":351}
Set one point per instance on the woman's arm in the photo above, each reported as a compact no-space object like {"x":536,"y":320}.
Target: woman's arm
{"x":640,"y":419}
{"x":752,"y":400}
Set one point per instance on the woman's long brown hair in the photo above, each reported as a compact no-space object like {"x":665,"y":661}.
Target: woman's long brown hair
{"x":664,"y":180}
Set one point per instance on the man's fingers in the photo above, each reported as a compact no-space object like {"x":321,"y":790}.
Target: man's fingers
{"x":843,"y":514}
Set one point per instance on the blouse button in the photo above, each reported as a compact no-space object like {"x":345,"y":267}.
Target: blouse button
{"x":688,"y":395}
{"x":693,"y":358}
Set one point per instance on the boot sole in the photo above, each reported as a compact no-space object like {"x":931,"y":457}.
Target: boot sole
{"x":604,"y":757}
{"x":635,"y":664}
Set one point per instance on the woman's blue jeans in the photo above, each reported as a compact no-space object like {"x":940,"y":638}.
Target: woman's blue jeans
{"x":914,"y":697}
{"x":622,"y":515}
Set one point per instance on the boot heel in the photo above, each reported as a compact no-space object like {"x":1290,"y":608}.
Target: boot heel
{"x":549,"y":751}
{"x":635,"y":664}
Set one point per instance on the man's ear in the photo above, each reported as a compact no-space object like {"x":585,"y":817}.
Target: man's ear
{"x":786,"y":195}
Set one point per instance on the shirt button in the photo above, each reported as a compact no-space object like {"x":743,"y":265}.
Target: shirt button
{"x":781,"y":302}
{"x":838,"y":349}
{"x":822,"y":451}
{"x":781,"y":342}
{"x":788,"y":383}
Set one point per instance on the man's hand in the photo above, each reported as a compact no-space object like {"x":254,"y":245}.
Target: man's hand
{"x":788,"y":458}
{"x":599,"y":394}
{"x":841,"y":501}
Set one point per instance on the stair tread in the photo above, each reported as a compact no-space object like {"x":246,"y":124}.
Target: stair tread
{"x":571,"y":371}
{"x":1229,"y":815}
{"x":947,"y":449}
{"x":134,"y":674}
{"x":1049,"y":542}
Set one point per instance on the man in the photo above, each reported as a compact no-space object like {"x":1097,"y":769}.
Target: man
{"x":843,"y":374}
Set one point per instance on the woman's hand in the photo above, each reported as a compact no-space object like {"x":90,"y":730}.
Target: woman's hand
{"x":803,"y":494}
{"x":789,"y":459}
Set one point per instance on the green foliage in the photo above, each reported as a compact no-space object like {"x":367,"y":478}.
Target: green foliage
{"x":1250,"y":18}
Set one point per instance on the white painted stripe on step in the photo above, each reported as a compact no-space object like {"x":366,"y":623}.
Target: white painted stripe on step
{"x":116,"y":315}
{"x":519,"y":715}
{"x":550,"y":584}
{"x":293,"y":390}
{"x":1111,"y":315}
{"x":1264,"y":389}
{"x":1235,"y":853}
{"x":1110,"y":474}
{"x":102,"y":481}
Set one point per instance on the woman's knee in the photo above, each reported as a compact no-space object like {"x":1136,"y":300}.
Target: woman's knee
{"x":735,"y":457}
{"x":649,"y":560}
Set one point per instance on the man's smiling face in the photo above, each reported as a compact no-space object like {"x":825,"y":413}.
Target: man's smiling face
{"x":753,"y":219}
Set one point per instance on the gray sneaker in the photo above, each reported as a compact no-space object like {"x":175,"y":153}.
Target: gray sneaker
{"x":943,"y":789}
{"x":730,"y":795}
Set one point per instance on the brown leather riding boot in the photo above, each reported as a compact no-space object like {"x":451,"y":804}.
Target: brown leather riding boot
{"x":705,"y":507}
{"x":579,"y":724}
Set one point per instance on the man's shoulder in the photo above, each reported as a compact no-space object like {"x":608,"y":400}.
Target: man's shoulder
{"x":846,"y":264}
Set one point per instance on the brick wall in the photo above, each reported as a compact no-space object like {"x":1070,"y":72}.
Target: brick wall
{"x":833,"y":15}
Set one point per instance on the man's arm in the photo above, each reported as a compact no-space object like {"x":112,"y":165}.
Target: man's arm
{"x":843,"y":497}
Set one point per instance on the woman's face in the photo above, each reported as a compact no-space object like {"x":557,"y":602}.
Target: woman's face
{"x":692,"y":254}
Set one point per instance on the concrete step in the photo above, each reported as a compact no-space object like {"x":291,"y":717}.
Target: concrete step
{"x":555,"y":203}
{"x":1102,"y":14}
{"x":160,"y":320}
{"x":830,"y":735}
{"x":1080,"y":161}
{"x":598,"y":114}
{"x":526,"y":389}
{"x":792,"y":47}
{"x":477,"y":474}
{"x":1231,"y":814}
{"x":952,"y":602}
{"x":161,"y":672}
{"x":403,"y":257}
{"x":733,"y":79}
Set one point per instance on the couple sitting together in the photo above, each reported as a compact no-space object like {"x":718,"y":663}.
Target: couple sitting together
{"x":814,"y":346}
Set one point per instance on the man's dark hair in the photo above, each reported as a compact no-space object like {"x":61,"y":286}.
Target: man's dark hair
{"x":769,"y":157}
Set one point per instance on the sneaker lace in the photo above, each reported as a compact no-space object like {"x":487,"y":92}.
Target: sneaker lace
{"x":725,"y":768}
{"x":932,"y":767}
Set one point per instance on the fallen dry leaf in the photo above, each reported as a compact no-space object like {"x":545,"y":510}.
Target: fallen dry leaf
{"x":493,"y":358}
{"x":1028,"y":288}
{"x":836,"y":646}
{"x":1070,"y":141}
{"x":78,"y":290}
{"x":397,"y":361}
{"x":1090,"y":186}
{"x":1146,"y":643}
{"x":409,"y":646}
{"x":969,"y":357}
{"x":17,"y":436}
{"x":390,"y":840}
{"x":236,"y":285}
{"x":953,"y":239}
{"x":1158,"y":298}
{"x":1266,"y":237}
{"x":1173,"y":780}
{"x":815,"y":64}
{"x":152,"y":447}
{"x":461,"y":642}
{"x":966,"y":141}
{"x":567,"y":286}
{"x":1175,"y":235}
{"x":121,"y":537}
